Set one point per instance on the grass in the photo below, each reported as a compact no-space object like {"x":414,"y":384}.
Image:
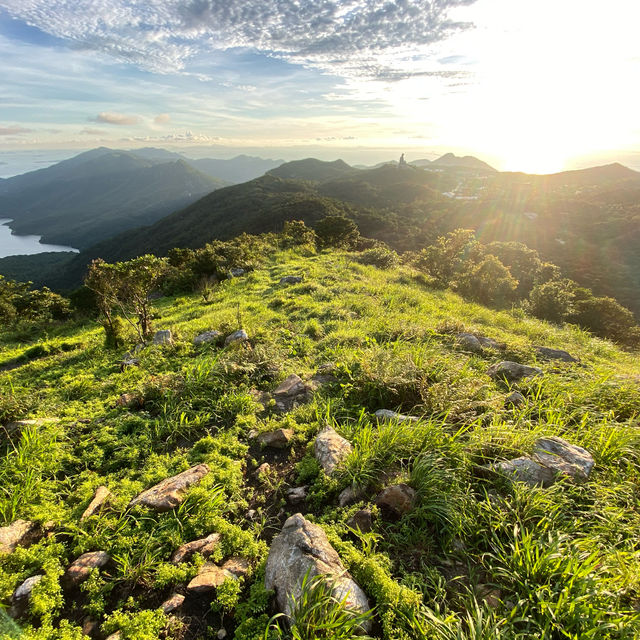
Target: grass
{"x":560,"y":562}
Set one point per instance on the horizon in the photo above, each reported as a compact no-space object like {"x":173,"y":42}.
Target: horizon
{"x":466,"y":76}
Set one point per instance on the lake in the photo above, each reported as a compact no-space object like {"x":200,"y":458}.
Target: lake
{"x":11,"y":245}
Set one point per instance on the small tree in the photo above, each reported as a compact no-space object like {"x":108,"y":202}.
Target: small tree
{"x":337,"y":231}
{"x":552,"y":300}
{"x":295,"y":233}
{"x":488,"y":282}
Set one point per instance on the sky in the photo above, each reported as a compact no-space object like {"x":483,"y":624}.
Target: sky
{"x":531,"y":85}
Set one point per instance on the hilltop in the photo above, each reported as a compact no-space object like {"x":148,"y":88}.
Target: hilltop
{"x":437,"y":541}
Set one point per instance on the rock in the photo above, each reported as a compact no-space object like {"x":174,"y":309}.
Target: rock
{"x":469,"y":342}
{"x":303,"y":547}
{"x":362,"y":520}
{"x":13,"y":535}
{"x":555,"y":354}
{"x":278,"y":439}
{"x":512,"y":371}
{"x":296,"y":495}
{"x":22,"y":594}
{"x":236,"y":272}
{"x":490,"y":343}
{"x":331,"y":449}
{"x":130,"y":401}
{"x":236,"y":337}
{"x":526,"y":470}
{"x":114,"y":636}
{"x":291,"y":280}
{"x":128,"y":362}
{"x":396,"y":500}
{"x":172,"y":603}
{"x":169,"y":493}
{"x":204,"y":546}
{"x":515,"y":399}
{"x":210,"y":577}
{"x":291,"y":392}
{"x":388,"y":415}
{"x":265,"y":467}
{"x":207,"y":336}
{"x":81,"y":568}
{"x":568,"y":459}
{"x":163,"y":337}
{"x":222,"y":634}
{"x":90,"y":626}
{"x":101,"y":495}
{"x":16,"y":426}
{"x":237,"y":566}
{"x":349,"y":496}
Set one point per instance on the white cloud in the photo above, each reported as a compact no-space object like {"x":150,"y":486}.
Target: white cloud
{"x":162,"y":118}
{"x":13,"y":130}
{"x":108,"y":117}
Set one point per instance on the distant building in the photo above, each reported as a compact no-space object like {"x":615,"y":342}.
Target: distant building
{"x":402,"y":163}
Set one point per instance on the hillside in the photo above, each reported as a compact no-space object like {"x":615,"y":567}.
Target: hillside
{"x":440,"y":541}
{"x":235,"y":170}
{"x":99,"y":194}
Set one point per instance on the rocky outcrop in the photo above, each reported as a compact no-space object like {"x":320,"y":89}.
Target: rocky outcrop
{"x":206,"y":337}
{"x":170,"y":493}
{"x":278,"y":439}
{"x":387,"y":415}
{"x":80,"y":569}
{"x":396,"y":500}
{"x":302,"y":548}
{"x":512,"y":371}
{"x":163,"y":337}
{"x":555,"y":354}
{"x":237,"y":337}
{"x":331,"y":449}
{"x":13,"y":535}
{"x":204,"y":546}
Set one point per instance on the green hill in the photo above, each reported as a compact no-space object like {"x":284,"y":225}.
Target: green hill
{"x":442,"y":546}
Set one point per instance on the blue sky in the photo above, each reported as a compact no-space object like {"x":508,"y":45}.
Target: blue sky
{"x":533,"y":85}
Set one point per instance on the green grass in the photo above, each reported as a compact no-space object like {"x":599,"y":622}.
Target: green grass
{"x":561,"y":562}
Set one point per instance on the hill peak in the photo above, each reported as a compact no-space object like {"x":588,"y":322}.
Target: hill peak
{"x":313,"y":169}
{"x":462,"y":162}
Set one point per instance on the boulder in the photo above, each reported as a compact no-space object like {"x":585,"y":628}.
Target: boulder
{"x":209,"y":578}
{"x":296,"y":495}
{"x":396,"y":500}
{"x":236,"y":337}
{"x":362,"y":520}
{"x":13,"y":535}
{"x":300,"y":548}
{"x":515,"y":399}
{"x":170,"y":493}
{"x":278,"y":439}
{"x":555,"y":354}
{"x":291,"y":280}
{"x":237,"y":566}
{"x":204,"y":546}
{"x":163,"y":337}
{"x":80,"y":569}
{"x":101,"y":495}
{"x":387,"y":415}
{"x":207,"y":336}
{"x":512,"y":371}
{"x":172,"y":603}
{"x":469,"y":342}
{"x":349,"y":496}
{"x":21,"y":596}
{"x":568,"y":459}
{"x":331,"y":449}
{"x":526,"y":470}
{"x":291,"y":392}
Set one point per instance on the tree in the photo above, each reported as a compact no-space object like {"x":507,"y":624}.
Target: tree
{"x":523,"y":263}
{"x":552,"y":300}
{"x":488,"y":282}
{"x":606,"y":318}
{"x":295,"y":233}
{"x":337,"y":231}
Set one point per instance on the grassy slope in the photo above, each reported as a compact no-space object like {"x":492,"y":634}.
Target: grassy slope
{"x":563,"y":561}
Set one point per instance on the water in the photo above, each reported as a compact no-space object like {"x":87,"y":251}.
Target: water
{"x":11,"y":245}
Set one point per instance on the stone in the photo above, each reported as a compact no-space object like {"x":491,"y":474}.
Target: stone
{"x":237,"y":566}
{"x":163,"y":337}
{"x":490,"y":343}
{"x":278,"y":439}
{"x":206,"y":337}
{"x":349,"y":496}
{"x":526,"y":470}
{"x":512,"y":371}
{"x":555,"y":354}
{"x":203,"y":546}
{"x":101,"y":495}
{"x":291,"y":392}
{"x":15,"y":426}
{"x":13,"y":535}
{"x":23,"y":592}
{"x":236,"y":337}
{"x":362,"y":520}
{"x":387,"y":415}
{"x":172,"y":603}
{"x":515,"y":399}
{"x":236,"y":272}
{"x":209,"y":578}
{"x":130,"y":401}
{"x":469,"y":342}
{"x":80,"y":569}
{"x":170,"y":493}
{"x":296,"y":495}
{"x":302,"y":548}
{"x":331,"y":449}
{"x":396,"y":500}
{"x":291,"y":280}
{"x":265,"y":467}
{"x":114,"y":636}
{"x":222,"y":634}
{"x":90,"y":626}
{"x":128,"y":362}
{"x":567,"y":459}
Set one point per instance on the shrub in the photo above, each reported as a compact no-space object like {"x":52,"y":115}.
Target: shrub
{"x":381,"y":257}
{"x":337,"y":231}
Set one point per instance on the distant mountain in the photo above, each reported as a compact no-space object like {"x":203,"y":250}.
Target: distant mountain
{"x":313,"y":170}
{"x":235,"y":170}
{"x":158,"y":155}
{"x":422,"y":162}
{"x":98,"y":194}
{"x":450,"y":160}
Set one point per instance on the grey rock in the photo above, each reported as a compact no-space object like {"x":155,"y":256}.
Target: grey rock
{"x":331,"y":449}
{"x":236,"y":337}
{"x":222,"y":634}
{"x":80,"y":569}
{"x":563,"y":457}
{"x":490,"y":343}
{"x":291,"y":393}
{"x":236,"y":272}
{"x":237,"y":566}
{"x":515,"y":399}
{"x":173,"y":603}
{"x":388,"y":415}
{"x":291,"y":280}
{"x":170,"y":493}
{"x":296,"y":495}
{"x":349,"y":496}
{"x":526,"y":470}
{"x":163,"y":337}
{"x":362,"y":520}
{"x":469,"y":342}
{"x":23,"y":592}
{"x":129,"y":361}
{"x":17,"y":426}
{"x":555,"y":354}
{"x":512,"y":371}
{"x":300,"y":548}
{"x":13,"y":535}
{"x":396,"y":500}
{"x":203,"y":546}
{"x":278,"y":439}
{"x":207,"y":336}
{"x":210,"y":577}
{"x":101,"y":495}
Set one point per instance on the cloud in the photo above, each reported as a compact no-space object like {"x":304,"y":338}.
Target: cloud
{"x":88,"y":131}
{"x":162,"y":118}
{"x":352,"y":38}
{"x":186,"y":137}
{"x":13,"y":130}
{"x":108,"y":117}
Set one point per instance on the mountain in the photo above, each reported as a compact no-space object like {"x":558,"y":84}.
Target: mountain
{"x":98,"y":194}
{"x":313,"y":170}
{"x":158,"y":155}
{"x":242,"y":168}
{"x":450,"y":160}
